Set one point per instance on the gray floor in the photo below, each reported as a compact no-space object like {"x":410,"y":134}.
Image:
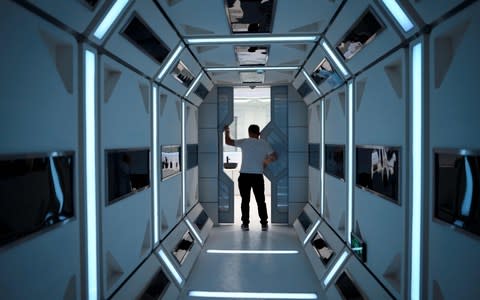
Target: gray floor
{"x":253,"y":273}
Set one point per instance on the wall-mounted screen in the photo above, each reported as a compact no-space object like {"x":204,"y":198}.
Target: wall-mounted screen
{"x":247,"y":16}
{"x":192,"y":156}
{"x":183,"y":247}
{"x":325,"y":73}
{"x":347,"y":288}
{"x":314,"y":155}
{"x":36,"y":191}
{"x":304,"y":220}
{"x":182,"y":74}
{"x":304,"y":89}
{"x":324,"y":251}
{"x":378,"y":170}
{"x":457,"y":188}
{"x":144,"y":38}
{"x":157,"y":287}
{"x":201,"y":220}
{"x":335,"y":160}
{"x":362,"y":32}
{"x":201,"y":91}
{"x":252,"y":55}
{"x":358,"y":246}
{"x":128,"y":171}
{"x":171,"y":162}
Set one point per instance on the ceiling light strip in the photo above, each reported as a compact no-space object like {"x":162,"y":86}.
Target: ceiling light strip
{"x":312,"y":84}
{"x":192,"y":86}
{"x":110,"y":18}
{"x":335,"y":59}
{"x":350,"y":162}
{"x":309,"y":235}
{"x":91,"y":174}
{"x":216,"y":251}
{"x":335,"y":268}
{"x":170,"y":267}
{"x":213,"y":69}
{"x":399,"y":14}
{"x":192,"y":229}
{"x":252,"y":39}
{"x":251,"y":295}
{"x":170,"y":61}
{"x":156,"y":223}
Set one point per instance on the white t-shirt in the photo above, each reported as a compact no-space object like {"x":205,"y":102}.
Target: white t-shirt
{"x":254,"y":151}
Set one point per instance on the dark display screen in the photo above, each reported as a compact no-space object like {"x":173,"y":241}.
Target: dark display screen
{"x":183,"y":247}
{"x":128,"y":171}
{"x":157,"y":287}
{"x":36,"y":191}
{"x":335,"y":160}
{"x":201,"y":220}
{"x":322,"y":248}
{"x":304,"y":89}
{"x":201,"y":91}
{"x":192,"y":156}
{"x":305,"y":220}
{"x":378,"y":170}
{"x":347,"y":288}
{"x":314,"y":155}
{"x":457,"y":189}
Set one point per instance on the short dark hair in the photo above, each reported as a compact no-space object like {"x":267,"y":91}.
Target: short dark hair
{"x":254,"y":129}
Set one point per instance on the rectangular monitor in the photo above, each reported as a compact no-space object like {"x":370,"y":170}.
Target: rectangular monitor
{"x":377,"y":170}
{"x":36,"y":191}
{"x":182,"y":74}
{"x":457,"y":188}
{"x":171,"y":161}
{"x":358,"y":246}
{"x":156,"y":287}
{"x":183,"y":247}
{"x":128,"y":172}
{"x":324,"y":251}
{"x":201,"y":220}
{"x":335,"y":160}
{"x":347,"y":288}
{"x":305,"y":220}
{"x":201,"y":91}
{"x":324,"y":72}
{"x":362,"y":32}
{"x":314,"y":155}
{"x":304,"y":89}
{"x":192,"y":156}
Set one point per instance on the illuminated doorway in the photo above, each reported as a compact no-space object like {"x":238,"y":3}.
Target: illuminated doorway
{"x":251,"y":106}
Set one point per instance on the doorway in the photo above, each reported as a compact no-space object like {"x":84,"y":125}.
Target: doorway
{"x":250,"y":106}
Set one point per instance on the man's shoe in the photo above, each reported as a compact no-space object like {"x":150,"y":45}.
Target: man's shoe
{"x":245,"y":227}
{"x":264,"y":227}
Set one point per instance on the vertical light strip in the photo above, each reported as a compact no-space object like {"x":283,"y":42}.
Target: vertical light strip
{"x":309,"y":235}
{"x":399,"y":14}
{"x":156,"y":224}
{"x":322,"y":157}
{"x":170,"y":61}
{"x":192,"y":229}
{"x":335,"y":59}
{"x":417,"y":152}
{"x":335,"y":268}
{"x":184,"y":158}
{"x":311,"y":82}
{"x":192,"y":86}
{"x":350,"y":161}
{"x":91,"y":174}
{"x":170,"y":267}
{"x":109,"y":18}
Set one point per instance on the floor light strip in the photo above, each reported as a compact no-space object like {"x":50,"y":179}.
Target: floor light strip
{"x":334,"y":57}
{"x":170,"y":61}
{"x":251,"y":295}
{"x":91,"y":174}
{"x":309,"y":235}
{"x":335,"y":268}
{"x":170,"y":267}
{"x":252,"y":39}
{"x":156,"y":236}
{"x":311,"y":82}
{"x":215,"y":251}
{"x":417,"y":151}
{"x":399,"y":14}
{"x":109,"y":18}
{"x":350,"y":162}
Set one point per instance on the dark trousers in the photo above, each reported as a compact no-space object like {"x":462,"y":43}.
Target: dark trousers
{"x":246,"y":182}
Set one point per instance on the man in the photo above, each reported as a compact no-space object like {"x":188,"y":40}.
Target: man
{"x":256,"y":154}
